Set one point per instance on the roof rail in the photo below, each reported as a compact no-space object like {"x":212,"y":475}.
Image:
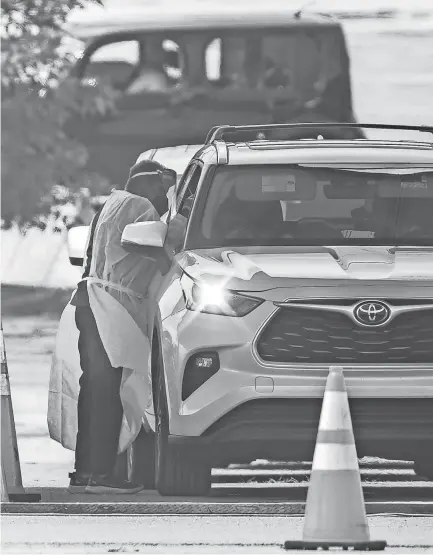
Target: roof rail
{"x":210,"y":136}
{"x":217,"y":133}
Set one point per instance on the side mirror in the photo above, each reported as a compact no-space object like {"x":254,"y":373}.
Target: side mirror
{"x":144,"y":234}
{"x":77,"y":240}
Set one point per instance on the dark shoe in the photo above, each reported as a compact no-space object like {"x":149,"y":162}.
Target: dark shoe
{"x":78,"y":482}
{"x":106,"y":484}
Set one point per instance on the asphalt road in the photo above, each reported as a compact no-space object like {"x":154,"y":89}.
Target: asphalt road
{"x":188,"y":534}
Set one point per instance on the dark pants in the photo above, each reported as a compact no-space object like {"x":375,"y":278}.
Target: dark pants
{"x":100,"y":409}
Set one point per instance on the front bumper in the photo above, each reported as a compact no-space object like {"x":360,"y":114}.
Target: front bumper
{"x":286,"y":429}
{"x":251,"y":408}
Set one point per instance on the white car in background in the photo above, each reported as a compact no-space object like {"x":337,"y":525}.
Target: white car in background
{"x":175,"y":157}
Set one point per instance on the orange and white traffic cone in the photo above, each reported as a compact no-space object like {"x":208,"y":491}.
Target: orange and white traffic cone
{"x":335,"y":511}
{"x":12,"y":486}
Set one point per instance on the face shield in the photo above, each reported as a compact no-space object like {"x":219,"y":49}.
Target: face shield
{"x":169,"y":179}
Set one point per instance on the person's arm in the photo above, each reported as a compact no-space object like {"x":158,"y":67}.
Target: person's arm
{"x":175,"y":236}
{"x":175,"y":233}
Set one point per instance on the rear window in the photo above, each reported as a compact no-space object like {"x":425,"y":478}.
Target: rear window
{"x":291,"y":205}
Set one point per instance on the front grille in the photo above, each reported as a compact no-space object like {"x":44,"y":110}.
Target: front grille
{"x":297,"y":335}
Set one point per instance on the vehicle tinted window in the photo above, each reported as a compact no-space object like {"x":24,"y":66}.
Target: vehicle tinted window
{"x":150,"y":62}
{"x":290,"y":205}
{"x":114,"y":63}
{"x":160,"y":67}
{"x":304,"y":61}
{"x":173,"y":59}
{"x":295,"y":59}
{"x":285,"y":68}
{"x":189,"y":191}
{"x":213,"y":60}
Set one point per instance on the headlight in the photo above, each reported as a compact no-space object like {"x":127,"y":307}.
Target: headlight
{"x":216,"y":299}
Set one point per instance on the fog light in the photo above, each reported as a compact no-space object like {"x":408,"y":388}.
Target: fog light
{"x":199,"y":368}
{"x":204,"y":362}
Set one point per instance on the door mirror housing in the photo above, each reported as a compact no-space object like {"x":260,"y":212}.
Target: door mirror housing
{"x":77,"y":240}
{"x":144,"y":234}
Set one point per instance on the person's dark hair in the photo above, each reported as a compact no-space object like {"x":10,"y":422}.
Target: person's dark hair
{"x":142,"y":175}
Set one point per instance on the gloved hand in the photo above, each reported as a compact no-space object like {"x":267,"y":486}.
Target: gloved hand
{"x":176,"y":232}
{"x":175,"y":236}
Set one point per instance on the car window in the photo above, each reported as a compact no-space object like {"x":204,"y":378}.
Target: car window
{"x":173,"y":60}
{"x":185,"y":178}
{"x":160,"y":67}
{"x":114,"y":62}
{"x":294,"y":65}
{"x":213,"y":60}
{"x":189,"y":189}
{"x":298,"y":61}
{"x":289,"y":205}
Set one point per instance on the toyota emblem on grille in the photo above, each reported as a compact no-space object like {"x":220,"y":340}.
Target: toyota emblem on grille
{"x":372,"y":313}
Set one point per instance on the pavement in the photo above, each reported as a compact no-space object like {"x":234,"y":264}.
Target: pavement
{"x":29,"y":342}
{"x":188,"y":534}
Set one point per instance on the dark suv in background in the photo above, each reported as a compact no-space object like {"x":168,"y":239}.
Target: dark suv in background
{"x":180,"y":73}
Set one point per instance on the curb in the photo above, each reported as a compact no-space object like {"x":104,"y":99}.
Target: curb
{"x":152,"y":509}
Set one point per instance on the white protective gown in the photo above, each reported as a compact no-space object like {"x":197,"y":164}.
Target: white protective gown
{"x":118,"y":288}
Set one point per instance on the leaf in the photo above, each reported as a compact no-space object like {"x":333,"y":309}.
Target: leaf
{"x":40,"y":98}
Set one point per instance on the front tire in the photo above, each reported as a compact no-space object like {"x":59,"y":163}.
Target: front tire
{"x":177,"y":471}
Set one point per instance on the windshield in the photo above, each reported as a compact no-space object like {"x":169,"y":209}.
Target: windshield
{"x":293,"y":205}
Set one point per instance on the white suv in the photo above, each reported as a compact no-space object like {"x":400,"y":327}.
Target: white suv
{"x":298,"y":255}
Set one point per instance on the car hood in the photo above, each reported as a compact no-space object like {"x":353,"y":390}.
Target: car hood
{"x":336,"y":270}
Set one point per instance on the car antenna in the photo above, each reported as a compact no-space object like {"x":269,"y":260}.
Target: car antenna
{"x":305,"y":6}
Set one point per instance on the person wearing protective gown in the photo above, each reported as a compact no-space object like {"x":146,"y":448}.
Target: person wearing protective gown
{"x":126,"y":277}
